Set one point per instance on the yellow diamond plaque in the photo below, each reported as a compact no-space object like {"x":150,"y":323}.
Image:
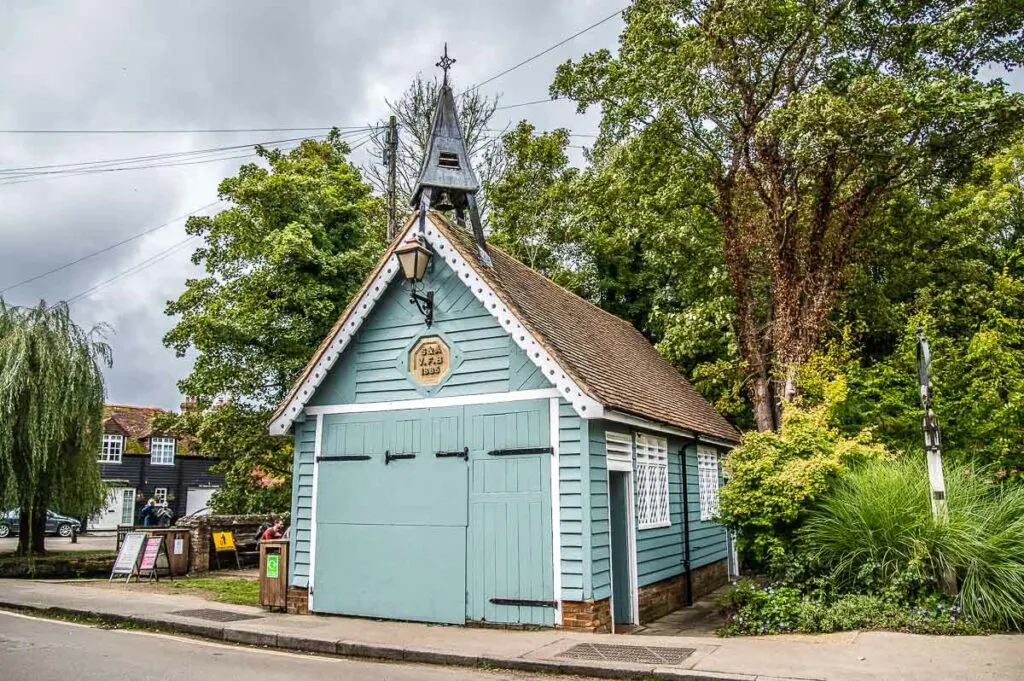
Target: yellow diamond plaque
{"x":429,"y":360}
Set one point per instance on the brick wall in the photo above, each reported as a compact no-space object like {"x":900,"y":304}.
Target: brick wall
{"x":592,"y":616}
{"x":201,"y":529}
{"x":709,"y":577}
{"x":297,"y":601}
{"x":661,"y":598}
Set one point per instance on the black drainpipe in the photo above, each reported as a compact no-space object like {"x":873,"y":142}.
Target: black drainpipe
{"x":686,"y":523}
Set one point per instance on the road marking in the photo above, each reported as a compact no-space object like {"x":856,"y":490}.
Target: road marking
{"x":10,"y":613}
{"x":173,"y":637}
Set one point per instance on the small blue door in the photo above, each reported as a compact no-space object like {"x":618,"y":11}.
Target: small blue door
{"x":391,"y":517}
{"x":510,"y":573}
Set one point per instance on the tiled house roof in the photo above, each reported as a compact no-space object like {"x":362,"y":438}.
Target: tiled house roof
{"x":136,"y":423}
{"x":604,"y":355}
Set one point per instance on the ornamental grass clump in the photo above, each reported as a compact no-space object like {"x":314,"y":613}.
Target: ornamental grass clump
{"x":875,"y":534}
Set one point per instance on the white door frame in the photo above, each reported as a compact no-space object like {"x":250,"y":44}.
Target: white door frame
{"x":556,"y":522}
{"x":634,"y":590}
{"x":312,"y":522}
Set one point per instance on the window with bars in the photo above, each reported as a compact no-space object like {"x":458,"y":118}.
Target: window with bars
{"x":113,"y":445}
{"x":707,"y":480}
{"x":160,"y":495}
{"x":652,"y":481}
{"x":161,"y":451}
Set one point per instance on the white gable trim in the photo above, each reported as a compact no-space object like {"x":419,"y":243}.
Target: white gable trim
{"x":357,"y":316}
{"x":584,"y":405}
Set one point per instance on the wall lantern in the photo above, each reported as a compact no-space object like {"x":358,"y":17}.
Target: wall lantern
{"x":414,"y":256}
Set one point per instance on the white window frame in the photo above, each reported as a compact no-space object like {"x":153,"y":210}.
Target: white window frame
{"x":653,"y":509}
{"x":161,"y":460}
{"x":107,"y":454}
{"x":160,"y":495}
{"x":708,"y":481}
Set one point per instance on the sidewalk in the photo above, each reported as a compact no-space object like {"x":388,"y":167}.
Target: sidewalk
{"x":872,"y":655}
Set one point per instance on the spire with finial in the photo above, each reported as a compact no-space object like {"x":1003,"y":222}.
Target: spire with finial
{"x":446,"y":180}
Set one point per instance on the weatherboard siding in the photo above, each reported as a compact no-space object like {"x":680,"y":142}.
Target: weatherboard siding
{"x":302,"y":501}
{"x":374,"y":367}
{"x":707,"y":538}
{"x":659,"y":550}
{"x":572,"y":447}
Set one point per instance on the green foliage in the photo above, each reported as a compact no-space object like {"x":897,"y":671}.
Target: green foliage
{"x":51,"y":407}
{"x":775,"y":478}
{"x":955,"y":268}
{"x":223,"y":589}
{"x":875,"y":533}
{"x":532,"y":200}
{"x":799,"y":122}
{"x":280,"y":266}
{"x":757,"y":610}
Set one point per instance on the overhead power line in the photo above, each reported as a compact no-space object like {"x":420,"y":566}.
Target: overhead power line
{"x":106,"y":249}
{"x":171,"y":131}
{"x":161,"y":255}
{"x":526,"y":61}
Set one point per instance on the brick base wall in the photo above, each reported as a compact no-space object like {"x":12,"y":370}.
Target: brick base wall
{"x":661,"y":598}
{"x":592,"y":616}
{"x":297,"y":601}
{"x":709,"y":577}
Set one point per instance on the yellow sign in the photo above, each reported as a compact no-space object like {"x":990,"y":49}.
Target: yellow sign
{"x":429,"y":360}
{"x":223,"y":541}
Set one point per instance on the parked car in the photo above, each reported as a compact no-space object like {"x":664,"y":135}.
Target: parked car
{"x":60,"y":525}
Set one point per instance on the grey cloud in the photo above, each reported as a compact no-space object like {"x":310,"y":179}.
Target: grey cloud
{"x":200,"y":65}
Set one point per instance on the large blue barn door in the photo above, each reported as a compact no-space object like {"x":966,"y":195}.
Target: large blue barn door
{"x":510,"y":574}
{"x":391,"y":532}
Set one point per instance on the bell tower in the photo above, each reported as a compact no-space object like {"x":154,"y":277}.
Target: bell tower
{"x":446,"y":180}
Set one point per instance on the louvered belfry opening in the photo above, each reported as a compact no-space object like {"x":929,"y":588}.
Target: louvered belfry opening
{"x":448,"y":159}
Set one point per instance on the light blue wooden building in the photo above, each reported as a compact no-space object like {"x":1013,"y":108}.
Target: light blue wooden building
{"x":474,"y":443}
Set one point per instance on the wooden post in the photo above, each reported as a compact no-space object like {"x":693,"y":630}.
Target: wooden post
{"x":391,"y":157}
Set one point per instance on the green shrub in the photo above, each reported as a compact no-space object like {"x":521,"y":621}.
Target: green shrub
{"x":774,"y":478}
{"x":773,"y":610}
{"x":876,"y":534}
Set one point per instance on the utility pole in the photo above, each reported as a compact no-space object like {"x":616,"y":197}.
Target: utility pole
{"x":391,"y":160}
{"x":930,"y":425}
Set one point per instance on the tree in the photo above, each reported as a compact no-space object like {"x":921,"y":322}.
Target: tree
{"x":532,"y":200}
{"x":415,"y":113}
{"x":51,"y":410}
{"x":280,"y":266}
{"x":805,"y":117}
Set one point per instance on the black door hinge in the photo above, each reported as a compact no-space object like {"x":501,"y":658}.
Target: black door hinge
{"x":457,"y":453}
{"x":349,"y":457}
{"x":389,"y":457}
{"x":528,"y":603}
{"x":520,"y":450}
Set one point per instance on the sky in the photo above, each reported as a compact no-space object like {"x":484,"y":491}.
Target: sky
{"x":118,"y":65}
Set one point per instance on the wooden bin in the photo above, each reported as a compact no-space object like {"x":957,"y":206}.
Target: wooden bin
{"x":274,"y":573}
{"x":176,"y":540}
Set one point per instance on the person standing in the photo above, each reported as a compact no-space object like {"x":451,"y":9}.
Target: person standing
{"x":147,"y":516}
{"x":163,"y":514}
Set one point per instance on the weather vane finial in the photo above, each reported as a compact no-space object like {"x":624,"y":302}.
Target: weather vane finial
{"x":445,"y":63}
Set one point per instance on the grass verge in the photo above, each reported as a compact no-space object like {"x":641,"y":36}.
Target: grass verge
{"x":223,"y":589}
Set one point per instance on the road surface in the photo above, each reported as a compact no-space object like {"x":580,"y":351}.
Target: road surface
{"x":33,"y":649}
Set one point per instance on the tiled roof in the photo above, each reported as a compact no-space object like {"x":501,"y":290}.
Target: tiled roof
{"x":606,"y":356}
{"x":136,"y":423}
